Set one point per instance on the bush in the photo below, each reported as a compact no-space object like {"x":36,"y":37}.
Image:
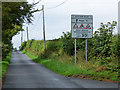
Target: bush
{"x":67,"y":43}
{"x":6,"y":49}
{"x":51,"y":46}
{"x":23,"y":45}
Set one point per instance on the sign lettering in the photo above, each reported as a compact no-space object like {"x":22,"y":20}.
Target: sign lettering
{"x":82,"y":26}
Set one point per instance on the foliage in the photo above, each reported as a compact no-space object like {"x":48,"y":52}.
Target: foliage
{"x":72,"y":70}
{"x":5,"y":64}
{"x":14,"y":14}
{"x":103,"y":46}
{"x":115,"y":45}
{"x":67,"y":43}
{"x":23,"y":45}
{"x":6,"y":48}
{"x":103,"y":53}
{"x":102,"y":40}
{"x":51,"y":46}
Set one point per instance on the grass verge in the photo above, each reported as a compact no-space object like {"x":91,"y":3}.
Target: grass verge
{"x":71,"y":70}
{"x":5,"y":64}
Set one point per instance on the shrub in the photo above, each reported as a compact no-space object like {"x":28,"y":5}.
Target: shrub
{"x":51,"y":46}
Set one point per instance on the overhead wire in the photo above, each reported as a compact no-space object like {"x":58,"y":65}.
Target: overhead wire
{"x":37,"y":19}
{"x":34,"y":25}
{"x":37,"y":2}
{"x":58,"y":5}
{"x":115,"y":4}
{"x":48,"y":8}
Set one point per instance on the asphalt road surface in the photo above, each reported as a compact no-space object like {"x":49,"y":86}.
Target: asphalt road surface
{"x":24,"y":73}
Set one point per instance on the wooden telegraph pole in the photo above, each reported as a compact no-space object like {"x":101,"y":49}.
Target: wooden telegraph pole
{"x":44,"y":28}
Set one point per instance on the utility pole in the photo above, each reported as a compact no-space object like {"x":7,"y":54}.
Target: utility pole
{"x":27,"y":33}
{"x":44,"y":28}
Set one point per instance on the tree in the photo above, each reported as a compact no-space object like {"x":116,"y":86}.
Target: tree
{"x":14,"y":14}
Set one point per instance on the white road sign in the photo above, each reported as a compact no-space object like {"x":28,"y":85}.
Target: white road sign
{"x":82,"y":26}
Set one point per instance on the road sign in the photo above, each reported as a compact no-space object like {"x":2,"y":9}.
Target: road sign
{"x":82,"y":26}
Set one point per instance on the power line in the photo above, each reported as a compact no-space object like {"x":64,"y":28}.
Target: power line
{"x":37,"y":2}
{"x":49,"y":8}
{"x":58,"y":5}
{"x":36,"y":22}
{"x":38,"y":17}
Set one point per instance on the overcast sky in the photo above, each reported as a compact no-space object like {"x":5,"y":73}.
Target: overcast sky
{"x":58,"y":16}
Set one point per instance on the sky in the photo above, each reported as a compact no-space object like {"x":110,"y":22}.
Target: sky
{"x":58,"y":17}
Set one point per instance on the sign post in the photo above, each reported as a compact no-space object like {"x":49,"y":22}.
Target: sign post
{"x":75,"y":51}
{"x":86,"y":50}
{"x":81,"y":27}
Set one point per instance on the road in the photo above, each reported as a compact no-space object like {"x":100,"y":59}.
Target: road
{"x":24,"y":73}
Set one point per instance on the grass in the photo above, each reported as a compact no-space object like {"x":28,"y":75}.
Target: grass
{"x":4,"y":65}
{"x":84,"y":70}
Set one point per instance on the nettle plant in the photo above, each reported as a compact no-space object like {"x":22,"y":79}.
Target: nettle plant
{"x":102,"y":40}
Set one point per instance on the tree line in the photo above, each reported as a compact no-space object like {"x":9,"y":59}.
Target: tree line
{"x":14,"y":14}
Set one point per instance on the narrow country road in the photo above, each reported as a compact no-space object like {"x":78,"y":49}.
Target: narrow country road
{"x":24,"y":73}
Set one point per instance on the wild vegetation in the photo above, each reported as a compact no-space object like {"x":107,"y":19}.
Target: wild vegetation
{"x":14,"y":14}
{"x":5,"y":64}
{"x":103,"y":51}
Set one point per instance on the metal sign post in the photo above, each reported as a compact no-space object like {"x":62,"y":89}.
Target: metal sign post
{"x":81,"y":27}
{"x":75,"y":51}
{"x":86,"y":49}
